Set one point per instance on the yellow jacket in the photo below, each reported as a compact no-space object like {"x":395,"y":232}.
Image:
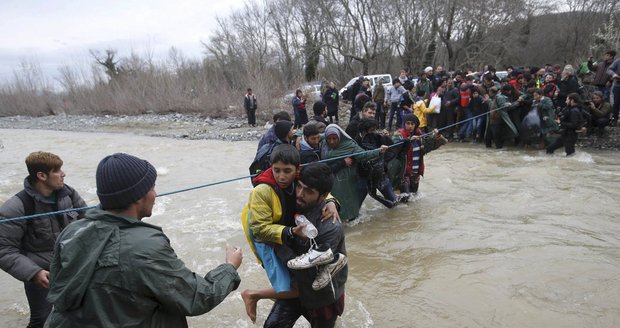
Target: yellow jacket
{"x":420,"y":110}
{"x":261,"y":216}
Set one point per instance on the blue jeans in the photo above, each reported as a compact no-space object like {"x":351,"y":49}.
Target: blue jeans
{"x":467,"y":126}
{"x":477,"y":126}
{"x":393,"y":111}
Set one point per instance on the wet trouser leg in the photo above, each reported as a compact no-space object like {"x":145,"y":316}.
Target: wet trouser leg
{"x":387,"y":197}
{"x":488,"y":136}
{"x":569,"y":143}
{"x":414,"y":183}
{"x":558,"y":143}
{"x":284,"y":313}
{"x":316,"y":322}
{"x":450,"y":117}
{"x":362,"y":188}
{"x":40,"y":308}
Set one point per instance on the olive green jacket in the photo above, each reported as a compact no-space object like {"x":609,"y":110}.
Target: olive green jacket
{"x":113,"y":271}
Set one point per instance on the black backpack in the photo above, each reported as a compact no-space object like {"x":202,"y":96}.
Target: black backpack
{"x":262,"y":160}
{"x":27,"y":201}
{"x":586,"y":118}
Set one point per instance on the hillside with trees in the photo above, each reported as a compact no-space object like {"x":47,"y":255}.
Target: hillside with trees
{"x":276,"y":45}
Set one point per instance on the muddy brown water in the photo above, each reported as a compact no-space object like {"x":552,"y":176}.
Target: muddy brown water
{"x":507,"y":238}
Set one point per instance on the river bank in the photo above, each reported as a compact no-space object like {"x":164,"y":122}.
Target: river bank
{"x":193,"y":126}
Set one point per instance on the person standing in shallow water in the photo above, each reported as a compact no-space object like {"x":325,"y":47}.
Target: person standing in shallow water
{"x":249,"y":103}
{"x":111,"y":269}
{"x":570,"y":121}
{"x":26,"y":246}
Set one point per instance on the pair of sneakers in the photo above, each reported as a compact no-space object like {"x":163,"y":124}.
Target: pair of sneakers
{"x":324,"y":258}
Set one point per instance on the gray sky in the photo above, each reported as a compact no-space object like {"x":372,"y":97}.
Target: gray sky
{"x":52,"y":33}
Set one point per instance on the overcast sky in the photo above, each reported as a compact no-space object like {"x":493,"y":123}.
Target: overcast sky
{"x":53,"y":33}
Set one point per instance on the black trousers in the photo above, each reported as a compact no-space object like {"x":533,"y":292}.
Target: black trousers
{"x":40,"y":308}
{"x":285,"y":313}
{"x":567,"y":140}
{"x":447,"y":117}
{"x":380,"y":114}
{"x":494,"y":134}
{"x":251,"y":116}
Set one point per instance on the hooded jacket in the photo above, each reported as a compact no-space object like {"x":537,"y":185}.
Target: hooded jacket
{"x":346,"y":184}
{"x":114,"y":271}
{"x":545,"y":109}
{"x":308,"y":154}
{"x":26,"y":246}
{"x":262,"y":217}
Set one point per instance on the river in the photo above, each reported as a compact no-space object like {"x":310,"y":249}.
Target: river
{"x":508,"y":238}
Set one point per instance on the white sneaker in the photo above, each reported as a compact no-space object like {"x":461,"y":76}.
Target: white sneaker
{"x":328,"y":271}
{"x":310,"y":259}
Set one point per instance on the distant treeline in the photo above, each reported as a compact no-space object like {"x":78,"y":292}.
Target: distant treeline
{"x":274,"y":46}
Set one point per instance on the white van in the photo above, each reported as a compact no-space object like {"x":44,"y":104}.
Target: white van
{"x":387,"y":81}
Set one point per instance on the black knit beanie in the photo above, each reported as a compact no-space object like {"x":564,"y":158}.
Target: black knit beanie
{"x":282,"y":128}
{"x":411,"y":118}
{"x":123,"y":179}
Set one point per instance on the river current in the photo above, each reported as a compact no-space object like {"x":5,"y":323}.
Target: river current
{"x":507,"y":238}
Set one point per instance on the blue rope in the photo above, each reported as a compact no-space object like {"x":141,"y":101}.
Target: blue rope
{"x":82,"y":209}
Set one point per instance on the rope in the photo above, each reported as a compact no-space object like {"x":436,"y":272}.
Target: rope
{"x":82,"y":209}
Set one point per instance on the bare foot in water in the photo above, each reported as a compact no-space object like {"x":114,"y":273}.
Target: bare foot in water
{"x":250,"y":304}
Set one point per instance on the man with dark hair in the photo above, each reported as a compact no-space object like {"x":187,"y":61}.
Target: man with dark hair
{"x":368,"y":111}
{"x":378,"y":96}
{"x":309,"y":146}
{"x":363,"y":96}
{"x":321,"y":288}
{"x":546,"y":112}
{"x":392,"y":96}
{"x":266,"y":218}
{"x":112,"y":269}
{"x":374,"y":170}
{"x":499,"y":124}
{"x":320,"y":112}
{"x":26,"y":246}
{"x":270,"y":135}
{"x":249,"y":103}
{"x":601,"y":79}
{"x":331,"y":100}
{"x":570,"y":121}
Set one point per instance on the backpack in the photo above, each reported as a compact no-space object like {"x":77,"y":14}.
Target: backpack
{"x":586,"y":118}
{"x":27,"y":201}
{"x":262,"y":160}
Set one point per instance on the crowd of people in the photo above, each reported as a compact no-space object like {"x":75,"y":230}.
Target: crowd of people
{"x":525,"y":106}
{"x":107,"y":267}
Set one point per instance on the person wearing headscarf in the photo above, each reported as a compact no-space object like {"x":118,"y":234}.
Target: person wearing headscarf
{"x":345,"y":153}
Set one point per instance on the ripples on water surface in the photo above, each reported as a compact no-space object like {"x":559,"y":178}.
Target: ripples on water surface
{"x":494,"y":239}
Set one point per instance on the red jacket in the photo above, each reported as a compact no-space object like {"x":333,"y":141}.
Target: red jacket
{"x":409,"y":156}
